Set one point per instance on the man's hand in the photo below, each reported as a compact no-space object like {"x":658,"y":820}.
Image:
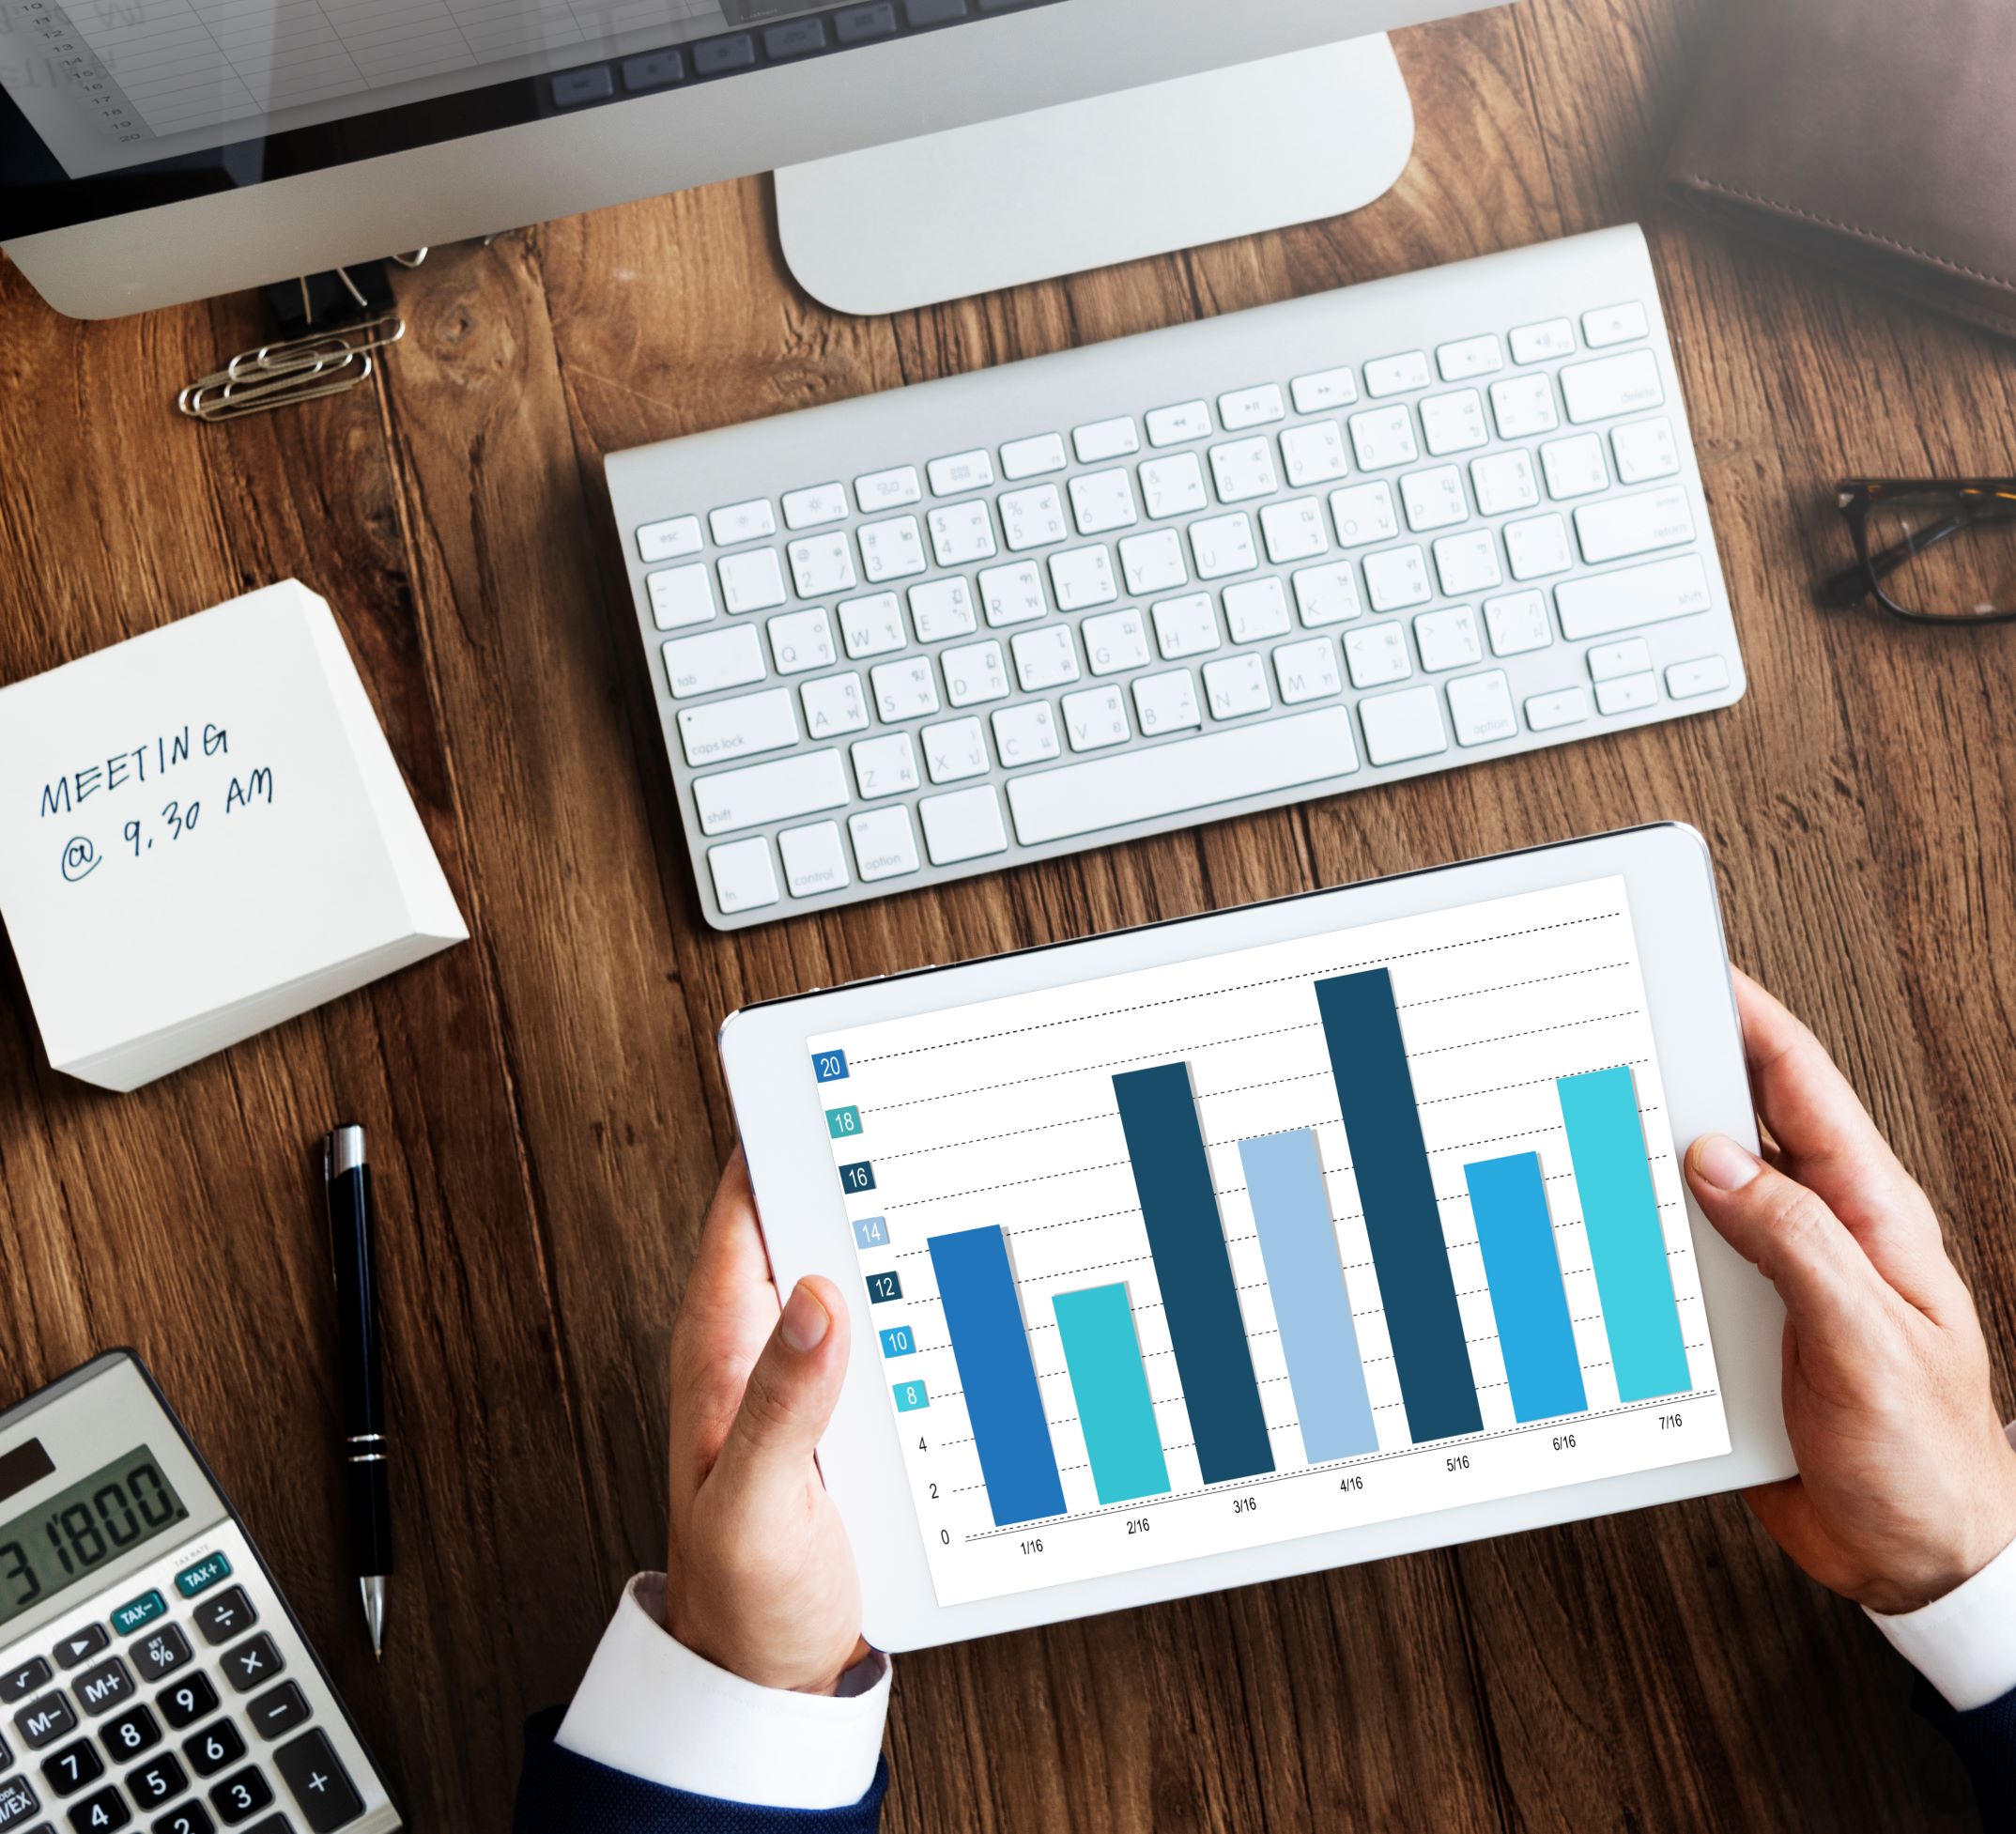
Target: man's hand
{"x":758,"y":1576}
{"x":1906,"y":1484}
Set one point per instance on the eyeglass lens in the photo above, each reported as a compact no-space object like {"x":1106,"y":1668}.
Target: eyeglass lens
{"x":1947,"y":554}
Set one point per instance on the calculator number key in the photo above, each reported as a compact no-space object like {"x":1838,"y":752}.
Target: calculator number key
{"x":100,"y":1813}
{"x":187,"y":1702}
{"x":278,"y":1710}
{"x":191,"y":1818}
{"x":326,"y":1795}
{"x":160,"y":1781}
{"x":69,"y":1770}
{"x":240,"y":1796}
{"x":159,"y":1655}
{"x":224,"y":1617}
{"x":130,"y":1735}
{"x":208,"y":1753}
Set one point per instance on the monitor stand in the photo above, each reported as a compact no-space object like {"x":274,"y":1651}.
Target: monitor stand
{"x":1087,"y":184}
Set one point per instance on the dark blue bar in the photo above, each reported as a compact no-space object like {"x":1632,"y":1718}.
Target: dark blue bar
{"x":990,"y":1345}
{"x":1158,"y":1113}
{"x":1509,"y":1205}
{"x":1375,"y":1090}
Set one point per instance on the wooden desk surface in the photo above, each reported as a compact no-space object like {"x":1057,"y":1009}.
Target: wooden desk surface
{"x":545,"y":1112}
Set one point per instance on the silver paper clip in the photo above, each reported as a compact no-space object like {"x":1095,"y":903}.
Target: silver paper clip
{"x":302,"y":369}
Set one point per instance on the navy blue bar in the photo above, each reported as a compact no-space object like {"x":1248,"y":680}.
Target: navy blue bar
{"x":1375,"y":1090}
{"x":1158,"y":1113}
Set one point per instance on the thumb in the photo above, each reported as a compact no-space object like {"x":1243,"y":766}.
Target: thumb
{"x":1792,"y":1239}
{"x":792,"y":1393}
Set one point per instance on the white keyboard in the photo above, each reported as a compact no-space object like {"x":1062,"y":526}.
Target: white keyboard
{"x":1317,"y":547}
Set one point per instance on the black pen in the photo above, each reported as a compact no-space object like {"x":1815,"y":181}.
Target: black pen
{"x":348,"y":1180}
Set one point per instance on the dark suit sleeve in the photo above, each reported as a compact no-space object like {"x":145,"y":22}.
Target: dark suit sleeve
{"x":1986,"y":1741}
{"x":565,"y":1793}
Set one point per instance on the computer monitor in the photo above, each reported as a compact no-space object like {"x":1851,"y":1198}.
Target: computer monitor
{"x":154,"y":151}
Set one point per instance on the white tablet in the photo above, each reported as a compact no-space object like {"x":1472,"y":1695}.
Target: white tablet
{"x":1271,"y":1241}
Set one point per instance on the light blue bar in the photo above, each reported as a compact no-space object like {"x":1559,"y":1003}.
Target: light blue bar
{"x":1509,"y":1205}
{"x":1626,"y":1246}
{"x":1111,"y":1387}
{"x":1312,"y":1306}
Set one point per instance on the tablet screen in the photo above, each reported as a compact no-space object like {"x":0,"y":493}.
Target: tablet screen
{"x":1334,"y":1231}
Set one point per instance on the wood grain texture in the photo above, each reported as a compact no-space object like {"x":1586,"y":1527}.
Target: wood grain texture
{"x":548,"y":1114}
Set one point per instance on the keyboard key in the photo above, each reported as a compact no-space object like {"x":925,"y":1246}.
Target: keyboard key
{"x":1640,"y":596}
{"x":1467,"y":563}
{"x":933,"y":12}
{"x":1033,"y":519}
{"x":1688,"y":681}
{"x":1397,"y":581}
{"x":1646,"y":451}
{"x":1082,"y":578}
{"x":1178,"y":426}
{"x":739,"y":728}
{"x":316,"y":1780}
{"x":1168,"y":703}
{"x":744,"y":878}
{"x":256,"y":1660}
{"x":161,"y":1654}
{"x":81,"y":1645}
{"x":1013,"y":595}
{"x":1115,"y":642}
{"x":1602,"y":390}
{"x":872,"y":625}
{"x":833,"y":707}
{"x":1575,"y":468}
{"x":160,"y":1781}
{"x":1518,"y":624}
{"x":101,"y":1689}
{"x":1363,"y":515}
{"x":1327,"y":595}
{"x":1256,"y":610}
{"x":100,"y":1813}
{"x":240,"y":1796}
{"x":187,"y":1702}
{"x":965,"y":471}
{"x":681,"y":596}
{"x":1624,"y":528}
{"x":815,"y":507}
{"x":1548,"y":713}
{"x":739,"y":522}
{"x":1153,"y":563}
{"x":1253,"y":406}
{"x":69,"y":1770}
{"x":891,"y":551}
{"x":888,"y":490}
{"x":1223,"y":546}
{"x":668,"y":541}
{"x":1307,"y":672}
{"x":1033,"y":457}
{"x":1173,"y":486}
{"x":1105,"y":440}
{"x":1480,"y":710}
{"x":702,"y":664}
{"x":23,"y":1679}
{"x":1244,"y":468}
{"x":753,"y":582}
{"x":1608,"y":661}
{"x":1185,"y":627}
{"x":130,"y":1735}
{"x":18,"y":1801}
{"x":954,"y":751}
{"x":1468,"y":356}
{"x":1505,"y":482}
{"x":1045,"y":658}
{"x":733,"y":51}
{"x":1377,"y":656}
{"x":1026,"y":734}
{"x":940,"y":608}
{"x":758,"y":794}
{"x":1383,"y":438}
{"x":821,"y":566}
{"x":1095,"y":719}
{"x":814,"y":863}
{"x":213,"y":1748}
{"x":1448,"y":639}
{"x":1454,"y":423}
{"x":1538,"y":547}
{"x":1628,"y":694}
{"x":1313,"y":455}
{"x":962,"y":534}
{"x":859,"y":25}
{"x":800,"y":641}
{"x":1539,"y":343}
{"x":1182,"y":777}
{"x":1389,"y":376}
{"x":43,"y":1722}
{"x":1401,"y":727}
{"x":1523,"y":407}
{"x":1435,"y":499}
{"x":193,"y":1818}
{"x":1293,"y":531}
{"x":1104,"y":500}
{"x":885,"y":843}
{"x":975,"y":673}
{"x":963,"y":826}
{"x":1323,"y":391}
{"x":1613,"y":324}
{"x":885,"y":766}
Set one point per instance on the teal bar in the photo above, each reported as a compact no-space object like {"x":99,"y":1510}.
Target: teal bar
{"x":1111,"y":1387}
{"x":1626,"y":1246}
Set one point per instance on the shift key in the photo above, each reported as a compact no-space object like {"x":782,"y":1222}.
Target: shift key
{"x":760,"y":794}
{"x":1638,"y":595}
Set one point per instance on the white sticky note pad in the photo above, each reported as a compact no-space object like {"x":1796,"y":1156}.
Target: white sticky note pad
{"x":203,"y":833}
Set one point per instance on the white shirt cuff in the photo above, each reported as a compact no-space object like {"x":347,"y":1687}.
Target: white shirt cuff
{"x":648,"y":1705}
{"x":1964,"y":1644}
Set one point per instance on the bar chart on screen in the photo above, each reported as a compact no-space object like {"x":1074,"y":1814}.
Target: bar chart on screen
{"x":1362,"y":1226}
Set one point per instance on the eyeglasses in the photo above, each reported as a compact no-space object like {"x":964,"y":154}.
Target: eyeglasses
{"x":1935,"y":553}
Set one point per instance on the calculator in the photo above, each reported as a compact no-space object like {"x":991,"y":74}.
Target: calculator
{"x":151,"y":1675}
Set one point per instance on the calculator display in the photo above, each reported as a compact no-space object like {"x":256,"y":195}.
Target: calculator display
{"x":79,"y":1529}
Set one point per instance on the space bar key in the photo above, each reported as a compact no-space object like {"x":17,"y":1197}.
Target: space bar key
{"x":1172,"y":780}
